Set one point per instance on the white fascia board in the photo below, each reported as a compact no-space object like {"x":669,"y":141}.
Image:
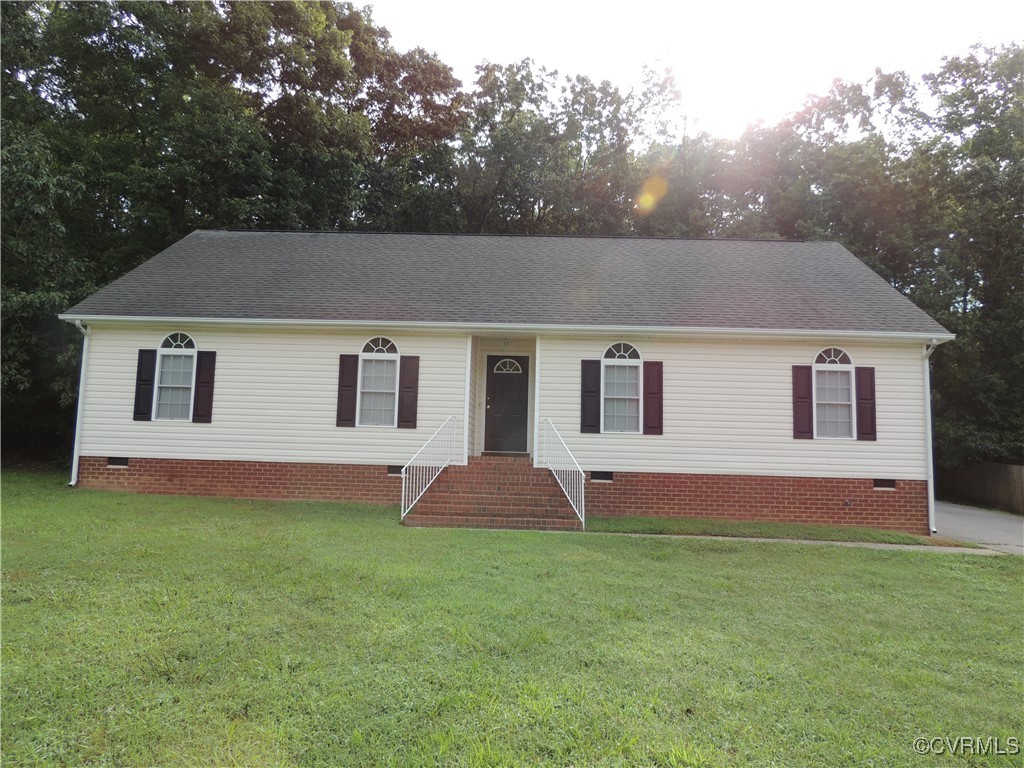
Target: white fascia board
{"x":528,"y":328}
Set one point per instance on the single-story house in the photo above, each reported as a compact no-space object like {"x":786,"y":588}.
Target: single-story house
{"x":532,"y":379}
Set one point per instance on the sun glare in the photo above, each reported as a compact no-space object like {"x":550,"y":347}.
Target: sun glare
{"x":650,"y":194}
{"x":735,"y":63}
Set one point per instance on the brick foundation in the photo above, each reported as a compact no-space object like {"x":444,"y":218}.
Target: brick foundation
{"x":817,"y":500}
{"x":827,"y":501}
{"x":245,"y":479}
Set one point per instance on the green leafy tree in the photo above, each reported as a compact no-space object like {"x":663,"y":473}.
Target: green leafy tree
{"x":979,"y":139}
{"x":546,"y":155}
{"x":681,"y":194}
{"x":126,"y":125}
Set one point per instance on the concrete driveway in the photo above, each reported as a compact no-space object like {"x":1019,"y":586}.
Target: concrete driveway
{"x":995,"y":530}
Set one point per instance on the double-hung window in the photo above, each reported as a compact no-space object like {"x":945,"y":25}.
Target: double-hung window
{"x":834,"y":394}
{"x":378,"y":383}
{"x":621,"y":387}
{"x":175,"y":372}
{"x":832,"y":399}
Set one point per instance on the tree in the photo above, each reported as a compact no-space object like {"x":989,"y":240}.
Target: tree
{"x":979,"y":138}
{"x":546,"y":155}
{"x":682,"y":194}
{"x":126,"y":125}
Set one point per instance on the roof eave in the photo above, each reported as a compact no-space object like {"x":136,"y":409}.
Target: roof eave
{"x":522,"y":328}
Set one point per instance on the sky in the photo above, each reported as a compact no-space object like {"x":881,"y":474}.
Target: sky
{"x":734,"y":62}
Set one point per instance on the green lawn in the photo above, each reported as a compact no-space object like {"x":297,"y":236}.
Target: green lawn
{"x":177,"y":631}
{"x":692,"y":526}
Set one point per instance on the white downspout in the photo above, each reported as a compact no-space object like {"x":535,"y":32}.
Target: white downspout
{"x":81,"y":402}
{"x":926,"y":356}
{"x":465,"y":405}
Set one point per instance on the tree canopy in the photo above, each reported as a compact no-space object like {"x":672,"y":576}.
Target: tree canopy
{"x":126,"y":125}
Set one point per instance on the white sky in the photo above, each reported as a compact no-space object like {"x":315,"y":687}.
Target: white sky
{"x":735,"y":62}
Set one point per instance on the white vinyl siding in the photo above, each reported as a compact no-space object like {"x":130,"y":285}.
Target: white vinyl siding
{"x":728,"y":409}
{"x":276,"y":396}
{"x":727,"y":403}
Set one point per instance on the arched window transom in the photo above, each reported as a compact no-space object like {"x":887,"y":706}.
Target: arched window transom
{"x":380,"y":346}
{"x":508,"y":365}
{"x":178,"y":341}
{"x":621,"y":351}
{"x":832,"y":356}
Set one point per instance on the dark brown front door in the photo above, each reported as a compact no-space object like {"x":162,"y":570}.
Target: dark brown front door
{"x":508,"y":395}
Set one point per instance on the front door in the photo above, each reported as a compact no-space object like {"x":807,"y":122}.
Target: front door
{"x":508,"y":396}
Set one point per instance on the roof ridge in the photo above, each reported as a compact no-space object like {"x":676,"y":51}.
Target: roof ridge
{"x":523,"y":235}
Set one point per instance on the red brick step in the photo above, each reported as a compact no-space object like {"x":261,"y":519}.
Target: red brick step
{"x":495,"y":492}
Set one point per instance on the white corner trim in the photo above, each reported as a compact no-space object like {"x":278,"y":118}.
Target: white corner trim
{"x":536,"y":402}
{"x":465,"y":404}
{"x":926,"y":364}
{"x":77,"y":450}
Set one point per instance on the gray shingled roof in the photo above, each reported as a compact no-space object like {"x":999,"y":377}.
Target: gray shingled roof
{"x":525,"y":280}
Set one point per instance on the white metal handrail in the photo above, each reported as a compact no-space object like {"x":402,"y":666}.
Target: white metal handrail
{"x":563,"y":465}
{"x":437,"y":453}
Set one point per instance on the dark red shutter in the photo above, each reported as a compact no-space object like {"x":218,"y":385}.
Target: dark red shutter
{"x":145,"y":380}
{"x":590,"y":397}
{"x":408,"y":391}
{"x":202,"y":402}
{"x":348,"y":378}
{"x":803,"y":405}
{"x":652,"y":398}
{"x":865,"y":384}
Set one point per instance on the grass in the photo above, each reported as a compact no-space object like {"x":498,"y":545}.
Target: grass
{"x":144,"y":630}
{"x":689,"y":526}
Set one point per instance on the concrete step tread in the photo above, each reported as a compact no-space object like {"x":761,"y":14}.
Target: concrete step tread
{"x":477,"y":521}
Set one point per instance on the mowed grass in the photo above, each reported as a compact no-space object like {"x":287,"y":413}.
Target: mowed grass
{"x":143,"y":630}
{"x":691,"y":526}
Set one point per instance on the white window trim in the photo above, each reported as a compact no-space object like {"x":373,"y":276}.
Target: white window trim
{"x":638,"y":364}
{"x":396,"y":356}
{"x":815,"y":367}
{"x":161,"y":352}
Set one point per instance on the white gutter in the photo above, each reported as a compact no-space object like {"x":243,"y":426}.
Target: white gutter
{"x":925,"y":357}
{"x":526,"y":328}
{"x":81,"y":402}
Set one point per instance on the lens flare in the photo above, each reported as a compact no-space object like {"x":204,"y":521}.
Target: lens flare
{"x":650,"y":194}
